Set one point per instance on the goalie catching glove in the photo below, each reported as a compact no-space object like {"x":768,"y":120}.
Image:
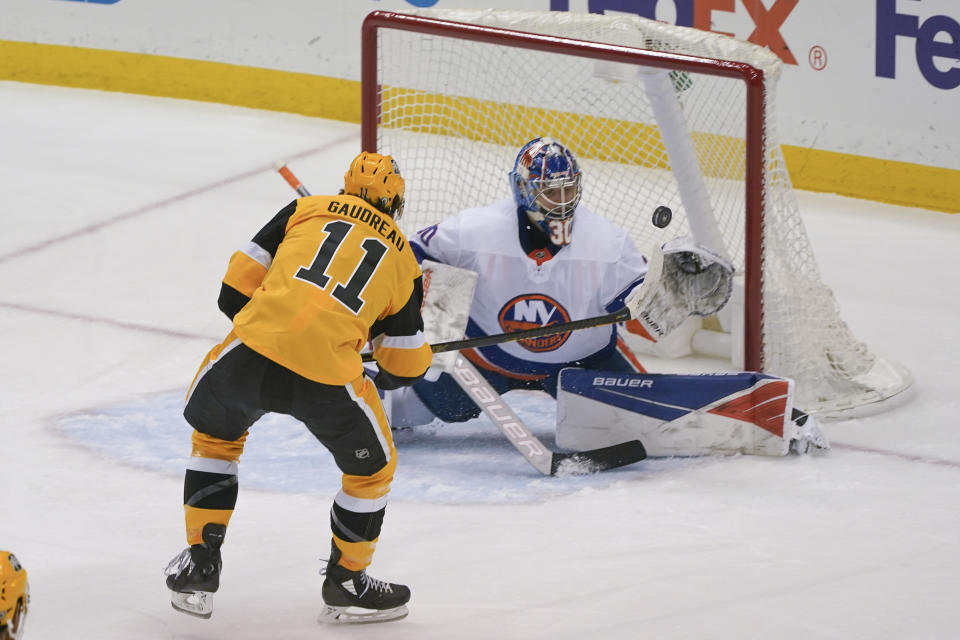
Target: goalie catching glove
{"x":683,"y":279}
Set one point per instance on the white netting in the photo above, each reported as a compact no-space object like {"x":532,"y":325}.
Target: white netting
{"x":454,"y":112}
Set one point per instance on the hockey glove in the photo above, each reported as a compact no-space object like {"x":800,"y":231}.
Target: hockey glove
{"x":683,"y":279}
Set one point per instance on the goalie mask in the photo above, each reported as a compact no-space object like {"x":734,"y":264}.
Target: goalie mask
{"x":376,"y":179}
{"x":14,"y":596}
{"x":546,"y":184}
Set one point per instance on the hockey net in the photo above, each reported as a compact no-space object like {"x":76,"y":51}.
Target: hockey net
{"x":657,"y":115}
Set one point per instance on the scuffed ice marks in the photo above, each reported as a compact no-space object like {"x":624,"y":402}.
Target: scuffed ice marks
{"x":438,"y":463}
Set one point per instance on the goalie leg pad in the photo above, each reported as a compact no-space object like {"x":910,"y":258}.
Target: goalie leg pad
{"x":677,"y":415}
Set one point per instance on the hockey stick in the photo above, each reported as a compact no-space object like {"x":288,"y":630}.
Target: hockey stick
{"x":536,"y":332}
{"x":547,"y":462}
{"x":507,"y":421}
{"x":292,"y":179}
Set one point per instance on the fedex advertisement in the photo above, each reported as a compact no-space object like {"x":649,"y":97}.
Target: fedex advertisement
{"x":935,"y":37}
{"x":869,"y":78}
{"x":879,"y":78}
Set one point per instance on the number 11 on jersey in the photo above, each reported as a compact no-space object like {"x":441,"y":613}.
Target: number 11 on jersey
{"x":348,"y":295}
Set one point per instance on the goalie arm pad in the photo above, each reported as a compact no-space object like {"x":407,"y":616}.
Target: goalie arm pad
{"x":683,"y":279}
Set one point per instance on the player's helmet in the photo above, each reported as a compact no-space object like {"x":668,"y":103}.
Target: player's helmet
{"x":376,"y":179}
{"x":14,"y":597}
{"x":546,"y":181}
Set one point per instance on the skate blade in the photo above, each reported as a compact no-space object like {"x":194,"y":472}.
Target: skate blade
{"x":358,"y":615}
{"x":198,"y":603}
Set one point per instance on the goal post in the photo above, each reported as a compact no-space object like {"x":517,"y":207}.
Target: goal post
{"x":657,"y":115}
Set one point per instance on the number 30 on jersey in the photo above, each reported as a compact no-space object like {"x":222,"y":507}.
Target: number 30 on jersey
{"x":561,"y":231}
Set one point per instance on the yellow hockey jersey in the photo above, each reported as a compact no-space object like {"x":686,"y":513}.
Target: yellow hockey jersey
{"x":324,"y":276}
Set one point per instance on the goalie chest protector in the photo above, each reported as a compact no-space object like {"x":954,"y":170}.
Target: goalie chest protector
{"x":515,"y":292}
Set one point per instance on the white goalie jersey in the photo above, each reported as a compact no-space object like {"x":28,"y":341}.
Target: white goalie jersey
{"x":589,"y":277}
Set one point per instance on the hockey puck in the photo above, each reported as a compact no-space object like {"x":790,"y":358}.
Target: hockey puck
{"x":662,"y":216}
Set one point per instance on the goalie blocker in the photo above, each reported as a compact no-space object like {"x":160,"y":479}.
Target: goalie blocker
{"x":683,"y":415}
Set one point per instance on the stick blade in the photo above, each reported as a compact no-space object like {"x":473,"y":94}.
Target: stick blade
{"x":596,"y":460}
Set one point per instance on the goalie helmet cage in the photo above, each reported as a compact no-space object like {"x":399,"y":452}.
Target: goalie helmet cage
{"x":656,"y":114}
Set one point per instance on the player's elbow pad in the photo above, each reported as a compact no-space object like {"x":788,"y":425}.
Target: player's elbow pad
{"x":231,"y":300}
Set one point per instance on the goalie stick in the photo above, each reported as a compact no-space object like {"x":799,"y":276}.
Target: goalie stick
{"x":536,"y":332}
{"x":542,"y":459}
{"x":547,"y":462}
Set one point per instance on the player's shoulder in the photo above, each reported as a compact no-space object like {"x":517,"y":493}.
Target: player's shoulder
{"x":586,"y":217}
{"x":491,"y":228}
{"x":597,"y":224}
{"x":322,"y":208}
{"x":501,"y":213}
{"x":318,"y":203}
{"x":474,"y":225}
{"x":595,"y":237}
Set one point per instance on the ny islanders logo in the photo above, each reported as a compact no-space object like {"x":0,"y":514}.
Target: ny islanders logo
{"x":530,"y":311}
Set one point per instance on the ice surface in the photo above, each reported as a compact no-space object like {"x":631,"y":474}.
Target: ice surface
{"x":119,"y":214}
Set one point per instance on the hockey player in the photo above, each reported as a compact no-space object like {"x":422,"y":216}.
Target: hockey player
{"x":14,"y":597}
{"x":543,"y":258}
{"x":322,"y":277}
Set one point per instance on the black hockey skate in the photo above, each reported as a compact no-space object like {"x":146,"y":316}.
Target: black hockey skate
{"x":194,"y":575}
{"x":354,"y":597}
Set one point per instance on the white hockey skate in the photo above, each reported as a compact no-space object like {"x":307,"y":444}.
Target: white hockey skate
{"x":198,"y":603}
{"x":358,"y":615}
